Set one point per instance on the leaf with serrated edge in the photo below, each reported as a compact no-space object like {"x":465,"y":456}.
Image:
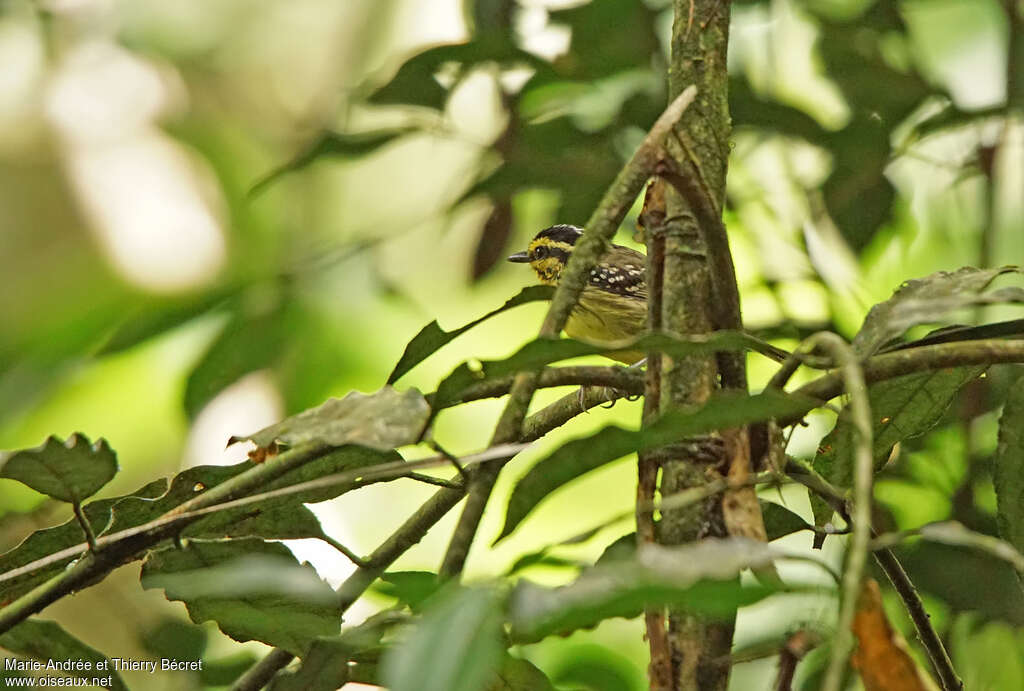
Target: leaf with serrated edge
{"x":254,"y":590}
{"x":432,"y":337}
{"x":69,"y":471}
{"x":1008,"y":468}
{"x":384,"y":420}
{"x":43,"y":543}
{"x":566,"y":463}
{"x":929,"y":300}
{"x":46,"y":641}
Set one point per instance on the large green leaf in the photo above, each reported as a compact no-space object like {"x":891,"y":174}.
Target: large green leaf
{"x":69,"y":471}
{"x":700,"y":577}
{"x":411,"y":588}
{"x":725,"y":410}
{"x":1008,"y":468}
{"x":48,"y":643}
{"x":248,"y":343}
{"x":929,"y":300}
{"x":901,"y":408}
{"x":544,"y":351}
{"x":432,"y":337}
{"x":383,"y":420}
{"x":254,"y":590}
{"x":48,"y":541}
{"x":457,"y":645}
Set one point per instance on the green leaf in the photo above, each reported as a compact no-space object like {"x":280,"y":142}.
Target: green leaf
{"x":48,"y":541}
{"x":597,"y":668}
{"x":174,"y":639}
{"x":901,"y":408}
{"x":544,"y":351}
{"x":331,"y":144}
{"x":383,"y":420}
{"x":954,"y":533}
{"x":580,"y":456}
{"x":223,"y":671}
{"x":517,"y":674}
{"x":69,"y":471}
{"x":325,"y":666}
{"x":457,"y":645}
{"x":254,"y":590}
{"x":1008,"y":468}
{"x":972,"y":580}
{"x":47,"y":642}
{"x":415,"y":83}
{"x":432,"y":337}
{"x":930,"y":300}
{"x":248,"y":343}
{"x":411,"y":588}
{"x":780,"y":521}
{"x":699,"y":577}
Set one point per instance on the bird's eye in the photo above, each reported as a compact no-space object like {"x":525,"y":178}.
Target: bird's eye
{"x":540,"y":252}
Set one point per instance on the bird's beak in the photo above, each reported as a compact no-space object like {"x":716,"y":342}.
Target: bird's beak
{"x":520,"y":258}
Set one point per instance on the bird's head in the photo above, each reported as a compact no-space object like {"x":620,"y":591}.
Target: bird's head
{"x":549,"y":252}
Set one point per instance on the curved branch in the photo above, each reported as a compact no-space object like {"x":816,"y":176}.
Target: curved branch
{"x":856,"y":555}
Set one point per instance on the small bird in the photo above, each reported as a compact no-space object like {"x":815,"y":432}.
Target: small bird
{"x":613,"y":305}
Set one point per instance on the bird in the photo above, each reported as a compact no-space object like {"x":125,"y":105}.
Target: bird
{"x":613,"y":305}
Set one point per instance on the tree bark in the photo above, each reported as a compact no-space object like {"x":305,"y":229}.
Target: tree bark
{"x":699,"y":647}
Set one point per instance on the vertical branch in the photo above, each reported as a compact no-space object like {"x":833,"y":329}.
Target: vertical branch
{"x":652,"y":218}
{"x":857,"y":550}
{"x":700,"y":647}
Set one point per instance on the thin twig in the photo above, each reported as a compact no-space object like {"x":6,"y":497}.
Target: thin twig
{"x":349,"y":554}
{"x":659,"y":670}
{"x":902,"y":584}
{"x":83,"y":520}
{"x":929,"y":637}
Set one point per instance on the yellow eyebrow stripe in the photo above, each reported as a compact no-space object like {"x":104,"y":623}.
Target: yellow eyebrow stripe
{"x":565,"y":246}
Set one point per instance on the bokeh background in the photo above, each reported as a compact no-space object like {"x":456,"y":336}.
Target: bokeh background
{"x":215,"y":213}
